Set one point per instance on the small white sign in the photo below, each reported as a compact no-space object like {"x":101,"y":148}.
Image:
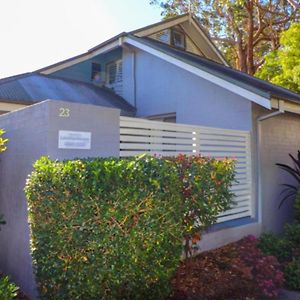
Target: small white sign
{"x":74,"y":139}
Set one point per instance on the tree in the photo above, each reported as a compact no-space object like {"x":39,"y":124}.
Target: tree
{"x":282,"y":66}
{"x":244,"y":30}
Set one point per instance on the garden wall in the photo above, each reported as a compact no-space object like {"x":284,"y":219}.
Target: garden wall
{"x":32,"y":132}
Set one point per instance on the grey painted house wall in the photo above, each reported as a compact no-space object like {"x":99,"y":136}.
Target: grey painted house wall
{"x":164,"y":88}
{"x":33,"y":132}
{"x":280,"y":136}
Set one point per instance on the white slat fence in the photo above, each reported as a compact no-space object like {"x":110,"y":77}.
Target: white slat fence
{"x":139,"y":136}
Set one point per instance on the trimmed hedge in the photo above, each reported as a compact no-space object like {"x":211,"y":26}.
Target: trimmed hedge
{"x":112,"y":228}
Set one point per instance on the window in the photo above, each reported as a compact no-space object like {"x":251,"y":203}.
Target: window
{"x":178,"y":39}
{"x":114,"y":73}
{"x":163,"y":36}
{"x":114,"y":77}
{"x":172,"y":36}
{"x":96,"y":71}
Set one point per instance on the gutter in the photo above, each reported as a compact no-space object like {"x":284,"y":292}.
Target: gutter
{"x":259,"y":120}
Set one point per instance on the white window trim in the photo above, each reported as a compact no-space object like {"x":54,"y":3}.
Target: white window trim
{"x":118,"y":64}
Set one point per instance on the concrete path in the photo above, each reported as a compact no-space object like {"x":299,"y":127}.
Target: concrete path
{"x":288,"y":295}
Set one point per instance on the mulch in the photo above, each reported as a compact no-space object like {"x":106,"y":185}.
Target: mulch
{"x":213,"y":275}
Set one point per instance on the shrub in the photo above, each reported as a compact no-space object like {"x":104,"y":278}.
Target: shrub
{"x":265,"y":269}
{"x":3,"y":141}
{"x":205,"y":188}
{"x":292,"y":274}
{"x":271,"y":244}
{"x":8,"y":290}
{"x":290,"y":191}
{"x":285,"y":247}
{"x":297,"y":207}
{"x":292,"y":236}
{"x":112,"y":228}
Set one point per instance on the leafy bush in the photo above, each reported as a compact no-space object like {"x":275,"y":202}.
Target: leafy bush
{"x":290,"y":191}
{"x":292,"y":274}
{"x":112,"y":228}
{"x":284,"y":247}
{"x":297,"y":207}
{"x":292,"y":236}
{"x":271,"y":244}
{"x":265,"y":269}
{"x":205,"y":188}
{"x":8,"y":290}
{"x":3,"y":141}
{"x":287,"y":249}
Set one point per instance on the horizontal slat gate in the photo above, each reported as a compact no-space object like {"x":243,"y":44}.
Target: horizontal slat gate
{"x":139,"y":136}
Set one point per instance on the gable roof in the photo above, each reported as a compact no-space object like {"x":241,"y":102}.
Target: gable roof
{"x":167,"y":23}
{"x":259,"y":91}
{"x":30,"y":88}
{"x":116,"y":41}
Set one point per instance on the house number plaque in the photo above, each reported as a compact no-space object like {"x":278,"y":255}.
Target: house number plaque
{"x":74,"y":139}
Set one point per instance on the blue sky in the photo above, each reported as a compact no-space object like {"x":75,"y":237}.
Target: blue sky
{"x":36,"y":33}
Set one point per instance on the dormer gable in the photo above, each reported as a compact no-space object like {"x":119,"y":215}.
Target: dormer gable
{"x":185,"y":33}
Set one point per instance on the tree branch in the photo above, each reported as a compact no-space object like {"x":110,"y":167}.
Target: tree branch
{"x":294,"y":4}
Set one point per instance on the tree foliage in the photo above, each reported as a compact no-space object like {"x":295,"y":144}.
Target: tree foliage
{"x":282,"y":66}
{"x":244,"y":30}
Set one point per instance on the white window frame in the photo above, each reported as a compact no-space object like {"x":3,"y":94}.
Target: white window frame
{"x":118,"y":75}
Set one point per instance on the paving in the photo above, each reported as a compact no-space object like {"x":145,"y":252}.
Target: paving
{"x":288,"y":295}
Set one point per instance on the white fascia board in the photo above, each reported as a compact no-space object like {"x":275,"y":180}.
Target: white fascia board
{"x":88,"y":55}
{"x":263,"y":101}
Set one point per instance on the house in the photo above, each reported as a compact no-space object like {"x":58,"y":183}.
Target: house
{"x":172,"y":72}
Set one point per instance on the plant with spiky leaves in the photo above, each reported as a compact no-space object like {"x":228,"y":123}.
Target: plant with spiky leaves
{"x":291,"y":190}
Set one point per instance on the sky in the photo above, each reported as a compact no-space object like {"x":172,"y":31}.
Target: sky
{"x":37,"y":33}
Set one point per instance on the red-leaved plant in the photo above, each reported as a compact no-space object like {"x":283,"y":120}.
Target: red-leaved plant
{"x":265,"y":269}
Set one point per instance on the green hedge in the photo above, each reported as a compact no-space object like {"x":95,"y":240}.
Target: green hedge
{"x":112,"y":228}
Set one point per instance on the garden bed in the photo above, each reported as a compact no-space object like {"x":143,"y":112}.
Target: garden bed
{"x":225,"y":273}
